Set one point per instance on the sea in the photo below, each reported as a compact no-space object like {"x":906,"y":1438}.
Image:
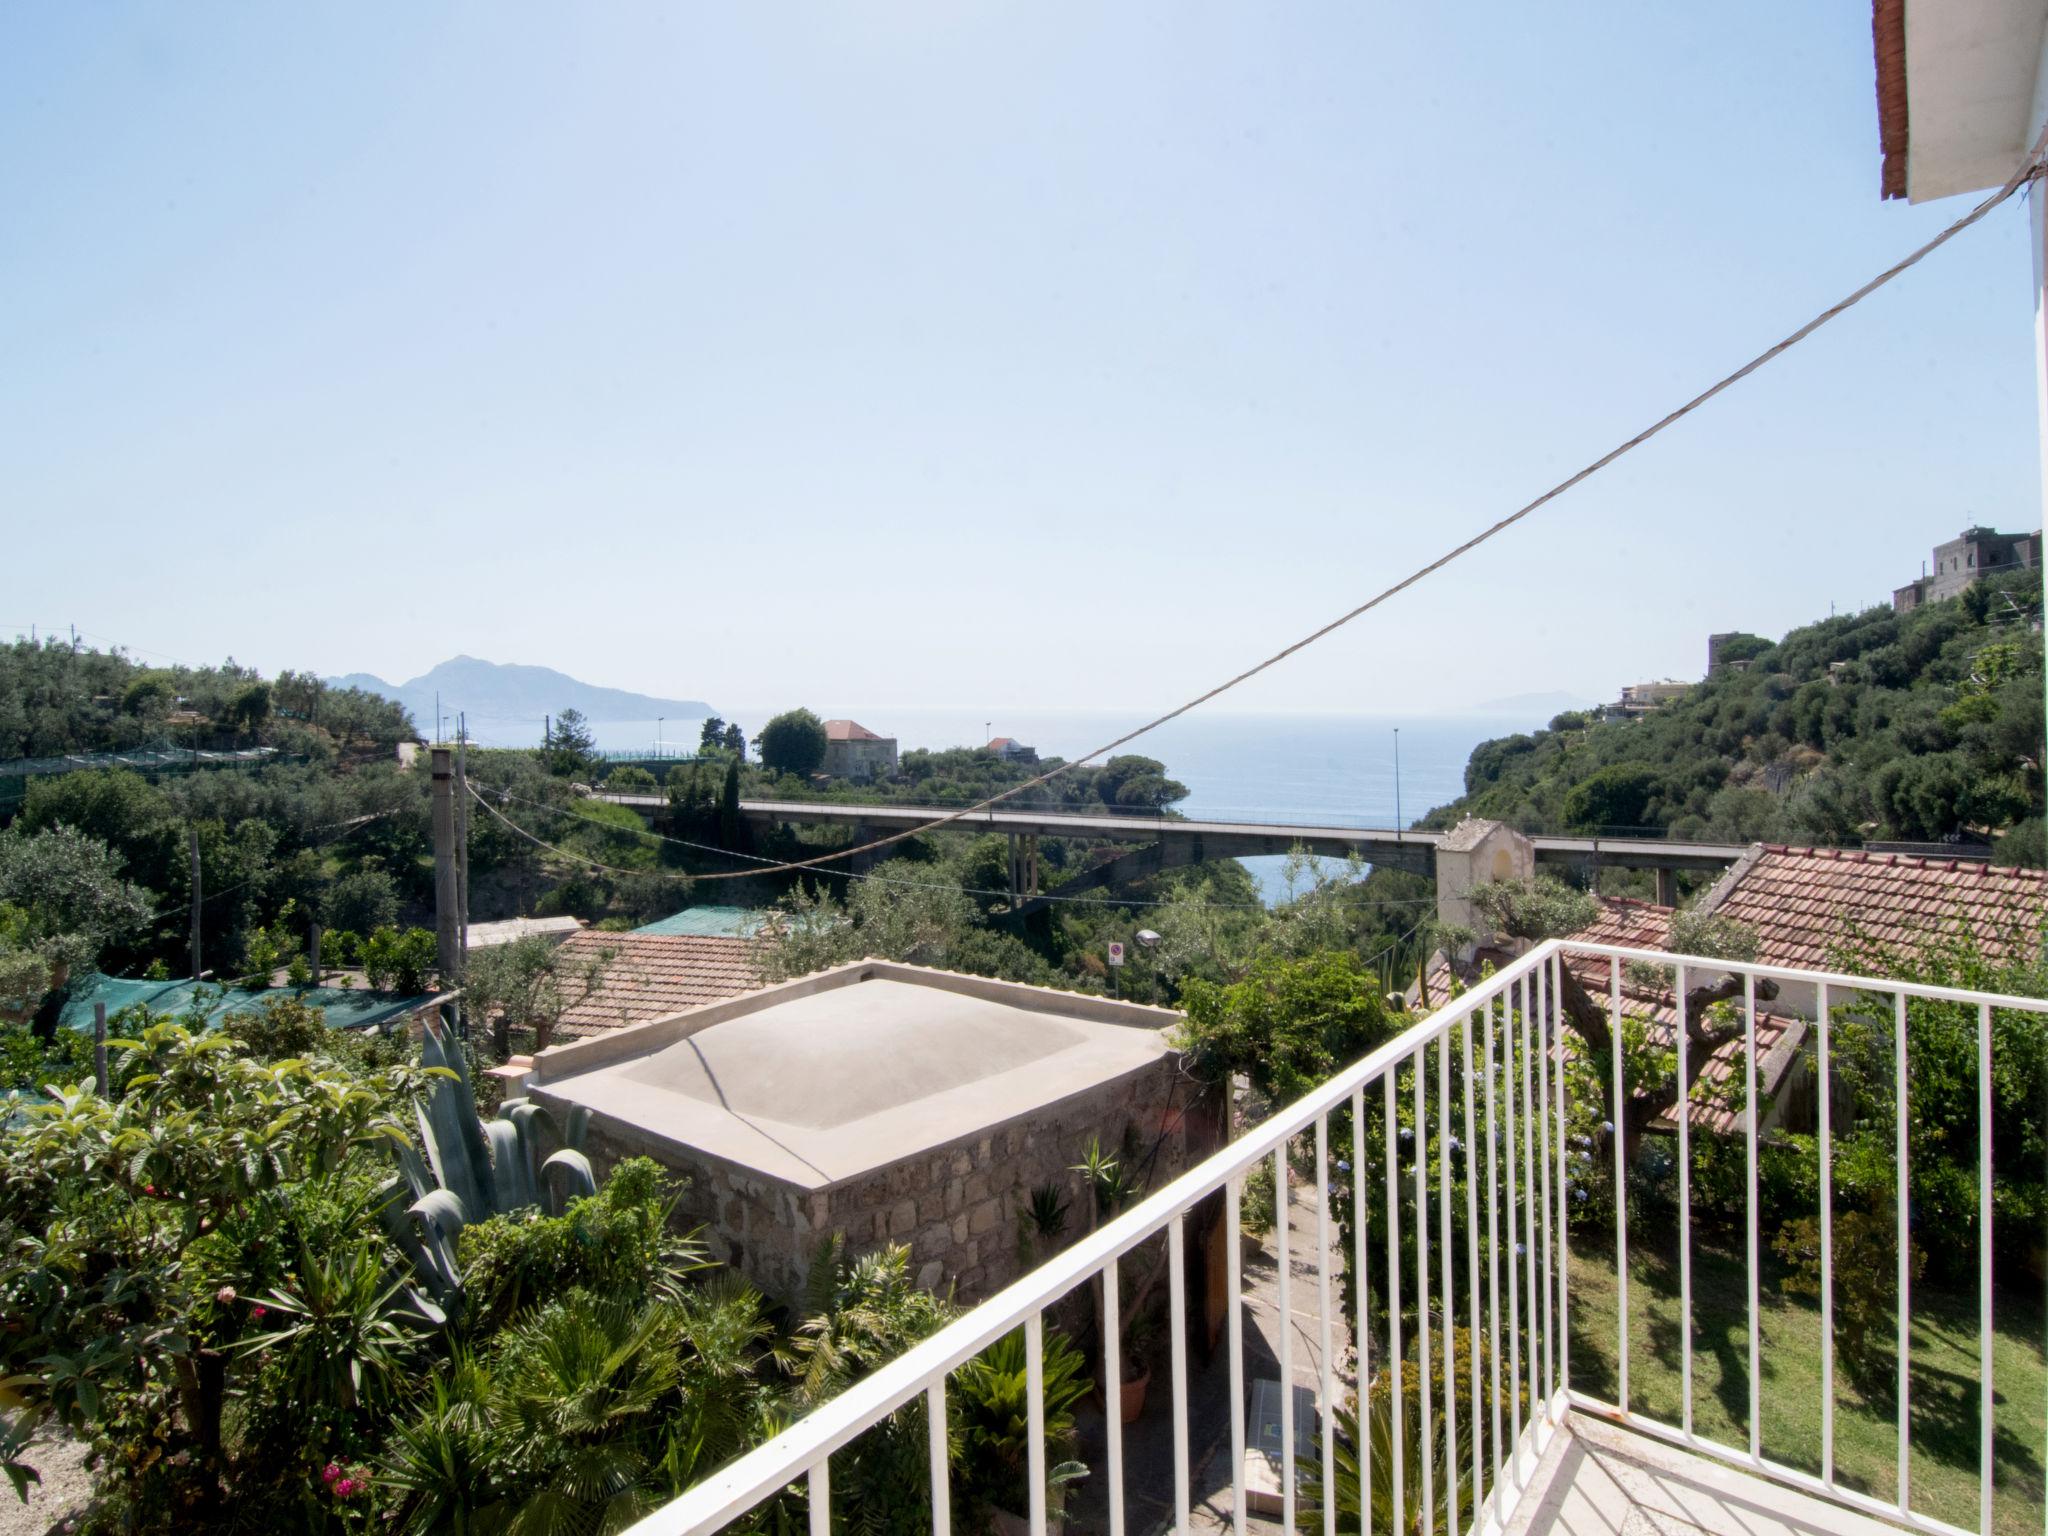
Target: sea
{"x":1309,"y":769}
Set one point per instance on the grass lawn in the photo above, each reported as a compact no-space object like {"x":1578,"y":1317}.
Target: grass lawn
{"x":1945,"y":1378}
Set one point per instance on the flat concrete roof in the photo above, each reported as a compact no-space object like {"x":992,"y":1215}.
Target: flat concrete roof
{"x":830,"y":1077}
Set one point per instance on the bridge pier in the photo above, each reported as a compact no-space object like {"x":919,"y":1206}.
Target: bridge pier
{"x":1667,"y":887}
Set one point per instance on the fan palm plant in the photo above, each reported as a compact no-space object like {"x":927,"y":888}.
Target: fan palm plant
{"x":586,"y":1416}
{"x":862,"y":1313}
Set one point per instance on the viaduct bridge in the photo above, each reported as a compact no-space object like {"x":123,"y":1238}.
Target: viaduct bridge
{"x":1161,"y":843}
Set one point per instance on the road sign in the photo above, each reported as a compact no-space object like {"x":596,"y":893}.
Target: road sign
{"x":1116,"y":954}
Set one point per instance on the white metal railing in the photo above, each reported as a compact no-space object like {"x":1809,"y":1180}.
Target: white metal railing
{"x":1510,"y":1105}
{"x":1832,"y":993}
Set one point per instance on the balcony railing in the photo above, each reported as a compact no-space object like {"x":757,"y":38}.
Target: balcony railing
{"x":1483,"y":1084}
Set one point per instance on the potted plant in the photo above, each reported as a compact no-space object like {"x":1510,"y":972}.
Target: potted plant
{"x":990,"y":1404}
{"x":1134,"y":1357}
{"x":1041,"y":1223}
{"x":1115,"y":1186}
{"x":1255,"y":1212}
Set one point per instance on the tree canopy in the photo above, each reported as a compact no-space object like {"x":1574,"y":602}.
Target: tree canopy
{"x":793,"y":742}
{"x":1920,"y":726}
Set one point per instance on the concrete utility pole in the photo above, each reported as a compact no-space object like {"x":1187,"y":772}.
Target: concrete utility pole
{"x":447,"y":942}
{"x":1397,"y":780}
{"x":99,"y":1047}
{"x":196,"y":968}
{"x":462,"y":845}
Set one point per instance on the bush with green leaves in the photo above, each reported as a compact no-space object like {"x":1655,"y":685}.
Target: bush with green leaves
{"x":400,"y":961}
{"x":1288,"y":1026}
{"x":586,"y":1414}
{"x":988,"y":1404}
{"x":361,"y":901}
{"x":1865,"y":1269}
{"x":1941,"y":1051}
{"x":859,"y":1314}
{"x":28,"y":1061}
{"x":616,"y":1242}
{"x":137,"y":1234}
{"x":1369,"y":1438}
{"x":1535,"y":909}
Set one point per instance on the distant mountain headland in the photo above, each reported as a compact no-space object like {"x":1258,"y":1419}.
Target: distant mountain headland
{"x":499,"y":690}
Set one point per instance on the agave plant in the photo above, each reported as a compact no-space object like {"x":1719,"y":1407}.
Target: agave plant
{"x":473,"y":1170}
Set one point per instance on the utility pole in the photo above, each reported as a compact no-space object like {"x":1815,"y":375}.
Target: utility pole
{"x":196,"y":968}
{"x":462,"y":840}
{"x":1397,"y":779}
{"x":447,"y":942}
{"x":99,"y":1046}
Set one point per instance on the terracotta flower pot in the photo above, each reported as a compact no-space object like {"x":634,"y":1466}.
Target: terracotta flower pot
{"x":1133,"y":1395}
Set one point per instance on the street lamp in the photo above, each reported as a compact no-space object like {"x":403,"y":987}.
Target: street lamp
{"x":1397,"y":781}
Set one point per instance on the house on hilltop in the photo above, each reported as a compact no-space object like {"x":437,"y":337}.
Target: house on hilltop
{"x":1011,"y":750}
{"x":1639,"y":699}
{"x":1965,"y":560}
{"x":854,"y":752}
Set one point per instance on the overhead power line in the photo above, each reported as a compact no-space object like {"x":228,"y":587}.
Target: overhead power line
{"x":2029,"y":169}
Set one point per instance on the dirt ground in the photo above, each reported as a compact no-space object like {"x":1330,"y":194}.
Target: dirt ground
{"x":62,"y":1495}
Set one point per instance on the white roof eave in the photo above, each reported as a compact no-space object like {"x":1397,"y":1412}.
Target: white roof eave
{"x":1973,"y":92}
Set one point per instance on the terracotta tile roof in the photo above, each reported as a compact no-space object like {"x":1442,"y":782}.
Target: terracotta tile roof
{"x":1628,"y":924}
{"x":655,"y":974}
{"x":1773,"y":1064}
{"x":1804,"y":901}
{"x":1644,"y":925}
{"x":849,"y":730}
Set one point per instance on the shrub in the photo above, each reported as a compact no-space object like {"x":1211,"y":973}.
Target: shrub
{"x":990,"y":1402}
{"x":1866,"y":1279}
{"x":139,"y":1238}
{"x":361,"y":901}
{"x":400,"y":962}
{"x":279,"y":1027}
{"x":613,"y":1243}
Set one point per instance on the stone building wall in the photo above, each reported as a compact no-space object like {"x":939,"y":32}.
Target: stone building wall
{"x":955,"y":1206}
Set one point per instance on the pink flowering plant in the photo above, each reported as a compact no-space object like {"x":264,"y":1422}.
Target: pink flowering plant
{"x":147,"y":1245}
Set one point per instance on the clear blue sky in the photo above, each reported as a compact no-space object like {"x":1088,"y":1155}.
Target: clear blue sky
{"x":1020,"y":355}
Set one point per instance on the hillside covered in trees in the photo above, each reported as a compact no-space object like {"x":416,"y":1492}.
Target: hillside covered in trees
{"x":1920,"y":726}
{"x":58,"y":698}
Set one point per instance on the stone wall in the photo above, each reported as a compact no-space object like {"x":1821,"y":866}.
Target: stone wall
{"x":955,"y":1206}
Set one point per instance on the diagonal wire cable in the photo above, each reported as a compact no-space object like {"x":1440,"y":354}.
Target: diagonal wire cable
{"x":2028,"y":170}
